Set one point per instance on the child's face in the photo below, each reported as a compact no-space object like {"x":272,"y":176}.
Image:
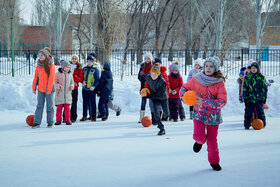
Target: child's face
{"x":154,"y":76}
{"x":89,"y":63}
{"x":42,"y":57}
{"x":147,"y":59}
{"x":254,"y":69}
{"x":241,"y":76}
{"x":74,"y":60}
{"x":67,"y":68}
{"x":175,"y":71}
{"x":197,"y":66}
{"x":209,"y":68}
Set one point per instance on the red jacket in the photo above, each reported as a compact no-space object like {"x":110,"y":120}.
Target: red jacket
{"x":165,"y":77}
{"x":175,"y":84}
{"x":78,"y":75}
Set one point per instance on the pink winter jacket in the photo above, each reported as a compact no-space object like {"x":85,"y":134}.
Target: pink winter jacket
{"x":214,"y":98}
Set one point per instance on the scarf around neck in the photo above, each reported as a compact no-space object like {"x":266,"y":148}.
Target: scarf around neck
{"x":207,"y":80}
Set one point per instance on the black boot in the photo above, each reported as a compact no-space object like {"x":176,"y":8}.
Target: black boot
{"x":161,"y":132}
{"x":35,"y":126}
{"x":153,"y":119}
{"x":84,"y":118}
{"x":68,"y":123}
{"x":216,"y":167}
{"x":118,"y":113}
{"x":164,"y":118}
{"x":197,"y":147}
{"x":58,"y":123}
{"x":93,"y":118}
{"x":104,"y":118}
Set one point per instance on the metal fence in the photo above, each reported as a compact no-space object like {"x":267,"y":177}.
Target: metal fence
{"x":25,"y":60}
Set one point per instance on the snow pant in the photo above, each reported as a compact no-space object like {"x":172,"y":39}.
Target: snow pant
{"x":165,"y":114}
{"x":103,"y":107}
{"x":157,"y":105}
{"x":40,"y":107}
{"x":67,"y":114}
{"x":74,"y":114}
{"x":174,"y":107}
{"x":249,"y":109}
{"x":209,"y":133}
{"x":89,"y":97}
{"x":114,"y":107}
{"x":181,"y":110}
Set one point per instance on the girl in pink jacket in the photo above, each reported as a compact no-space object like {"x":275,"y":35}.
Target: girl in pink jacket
{"x":210,"y":89}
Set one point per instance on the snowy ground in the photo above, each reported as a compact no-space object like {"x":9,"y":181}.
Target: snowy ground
{"x":120,"y":152}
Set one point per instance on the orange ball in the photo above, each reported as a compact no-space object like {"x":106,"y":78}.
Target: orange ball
{"x":189,"y":98}
{"x":30,"y":120}
{"x":144,"y":92}
{"x":146,"y":121}
{"x":257,"y":124}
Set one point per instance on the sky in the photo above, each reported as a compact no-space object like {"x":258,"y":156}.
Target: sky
{"x":26,"y":10}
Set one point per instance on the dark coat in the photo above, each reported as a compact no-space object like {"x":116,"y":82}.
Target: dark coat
{"x":157,"y":88}
{"x":105,"y":86}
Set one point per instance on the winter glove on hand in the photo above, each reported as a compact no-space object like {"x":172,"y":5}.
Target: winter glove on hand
{"x":174,"y":92}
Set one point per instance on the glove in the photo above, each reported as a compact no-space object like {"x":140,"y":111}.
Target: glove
{"x":174,"y":92}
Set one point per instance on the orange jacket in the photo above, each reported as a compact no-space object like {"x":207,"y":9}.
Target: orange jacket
{"x":41,"y":79}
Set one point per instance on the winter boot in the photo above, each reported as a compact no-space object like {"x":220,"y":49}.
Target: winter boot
{"x":153,"y":119}
{"x":93,"y":118}
{"x":35,"y":126}
{"x":164,"y":118}
{"x":197,"y":147}
{"x":50,"y":125}
{"x":161,"y":132}
{"x":68,"y":123}
{"x":84,"y":118}
{"x":216,"y":167}
{"x":58,"y":123}
{"x":142,"y":114}
{"x":191,"y":114}
{"x":118,"y":113}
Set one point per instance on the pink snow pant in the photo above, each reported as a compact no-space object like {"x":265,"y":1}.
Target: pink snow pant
{"x":66,"y":112}
{"x":209,"y":133}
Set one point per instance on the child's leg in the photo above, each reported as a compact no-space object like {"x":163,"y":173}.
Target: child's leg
{"x":59,"y":113}
{"x":50,"y":108}
{"x":260,"y":112}
{"x":212,"y":144}
{"x":92,"y":97}
{"x":85,"y":94}
{"x":199,"y":132}
{"x":165,"y":107}
{"x":181,"y":110}
{"x":39,"y":107}
{"x":101,"y":107}
{"x":156,"y":108}
{"x":248,"y":114}
{"x":173,"y":107}
{"x":106,"y":105}
{"x":74,"y":105}
{"x":143,"y":103}
{"x":67,"y":112}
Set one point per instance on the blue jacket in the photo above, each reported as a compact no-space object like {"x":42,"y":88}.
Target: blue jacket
{"x":91,"y":76}
{"x":105,"y":86}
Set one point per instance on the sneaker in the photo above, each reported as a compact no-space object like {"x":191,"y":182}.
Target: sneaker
{"x":118,"y":113}
{"x":58,"y":123}
{"x":50,"y":125}
{"x":161,"y":132}
{"x":216,"y":167}
{"x":35,"y":126}
{"x":84,"y":119}
{"x":68,"y":123}
{"x":197,"y":147}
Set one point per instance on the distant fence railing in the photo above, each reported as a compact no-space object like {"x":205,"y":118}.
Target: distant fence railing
{"x":233,"y":60}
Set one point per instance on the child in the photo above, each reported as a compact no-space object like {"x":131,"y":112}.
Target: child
{"x":157,"y":86}
{"x":212,"y":96}
{"x":145,"y":68}
{"x":176,"y":82}
{"x":240,"y":81}
{"x":44,"y":82}
{"x":78,"y":77}
{"x":254,"y":95}
{"x":104,"y":89}
{"x":192,"y":73}
{"x":64,"y":84}
{"x":90,"y":82}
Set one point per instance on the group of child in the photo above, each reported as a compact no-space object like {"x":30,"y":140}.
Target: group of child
{"x":64,"y":85}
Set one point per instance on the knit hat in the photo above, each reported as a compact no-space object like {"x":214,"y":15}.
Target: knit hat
{"x":149,"y":55}
{"x":198,"y":61}
{"x":45,"y":51}
{"x":241,"y":73}
{"x":255,"y":64}
{"x":107,"y":66}
{"x":175,"y":67}
{"x":155,"y":69}
{"x":76,"y":56}
{"x":215,"y":60}
{"x":90,"y":58}
{"x":93,"y":54}
{"x":243,"y":69}
{"x":64,"y":63}
{"x":157,"y":60}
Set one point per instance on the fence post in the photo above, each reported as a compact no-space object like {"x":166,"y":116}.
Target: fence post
{"x":29,"y":61}
{"x":241,"y":57}
{"x":131,"y":53}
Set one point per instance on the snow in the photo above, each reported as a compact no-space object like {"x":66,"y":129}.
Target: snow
{"x":120,"y":152}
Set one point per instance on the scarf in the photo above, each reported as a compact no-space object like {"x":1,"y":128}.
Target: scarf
{"x":175,"y":75}
{"x":207,"y":80}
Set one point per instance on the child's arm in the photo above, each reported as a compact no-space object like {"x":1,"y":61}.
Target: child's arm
{"x":186,"y":87}
{"x":79,"y":76}
{"x":96,"y":78}
{"x":72,"y":83}
{"x":35,"y":80}
{"x":58,"y":86}
{"x":51,"y":79}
